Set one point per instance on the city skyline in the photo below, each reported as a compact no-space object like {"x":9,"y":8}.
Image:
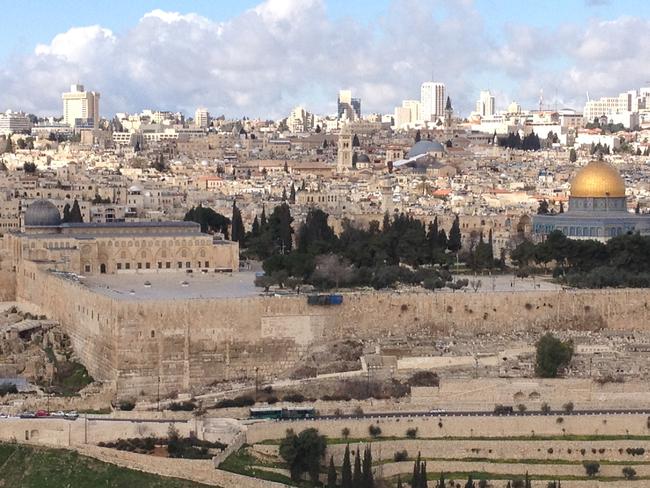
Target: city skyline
{"x":292,"y":55}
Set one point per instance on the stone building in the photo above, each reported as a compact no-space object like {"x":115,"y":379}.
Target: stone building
{"x":123,"y":247}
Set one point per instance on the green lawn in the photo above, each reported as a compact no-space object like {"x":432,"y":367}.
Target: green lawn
{"x":31,"y":467}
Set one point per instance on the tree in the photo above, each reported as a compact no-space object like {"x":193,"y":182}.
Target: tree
{"x":330,"y":270}
{"x":573,"y":157}
{"x":454,"y":243}
{"x":315,"y":235}
{"x":66,"y":213}
{"x":552,"y":354}
{"x":470,"y":482}
{"x":418,"y":136}
{"x":355,"y":141}
{"x":75,"y":213}
{"x":561,"y":207}
{"x":29,"y":167}
{"x":292,"y":194}
{"x":399,"y":481}
{"x":346,"y":469}
{"x":542,"y":209}
{"x":356,"y":473}
{"x":568,"y":407}
{"x":284,"y":194}
{"x":591,"y":468}
{"x":280,"y":228}
{"x":368,"y":480}
{"x":209,"y":220}
{"x":303,"y":453}
{"x":374,"y":430}
{"x":545,"y":408}
{"x":331,"y":474}
{"x":629,"y":473}
{"x":238,"y":233}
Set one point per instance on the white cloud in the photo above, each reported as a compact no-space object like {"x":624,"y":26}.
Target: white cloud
{"x":284,"y":52}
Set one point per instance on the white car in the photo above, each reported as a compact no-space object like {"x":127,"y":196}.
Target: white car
{"x":59,"y":414}
{"x":71,"y":415}
{"x":437,"y":410}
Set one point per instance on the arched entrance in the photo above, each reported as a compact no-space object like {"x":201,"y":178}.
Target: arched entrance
{"x":102,"y":268}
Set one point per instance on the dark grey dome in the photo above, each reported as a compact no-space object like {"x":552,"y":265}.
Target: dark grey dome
{"x":42,"y":213}
{"x":423,"y":147}
{"x":363,"y":158}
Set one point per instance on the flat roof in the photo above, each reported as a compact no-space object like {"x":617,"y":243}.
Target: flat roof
{"x":168,"y":285}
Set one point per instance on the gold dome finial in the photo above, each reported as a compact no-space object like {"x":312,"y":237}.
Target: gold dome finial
{"x":598,"y":180}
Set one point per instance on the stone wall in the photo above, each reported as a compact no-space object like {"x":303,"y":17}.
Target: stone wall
{"x":178,"y":345}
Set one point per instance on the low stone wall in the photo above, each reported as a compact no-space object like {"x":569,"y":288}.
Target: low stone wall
{"x":475,"y":426}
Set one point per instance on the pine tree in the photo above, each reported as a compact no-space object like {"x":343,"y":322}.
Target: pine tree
{"x":356,"y":474}
{"x":75,"y":213}
{"x":346,"y":470}
{"x":418,"y":136}
{"x":454,"y":244}
{"x":355,"y":141}
{"x":66,"y":213}
{"x":284,"y":194}
{"x":331,"y":474}
{"x":255,"y":228}
{"x":399,"y":482}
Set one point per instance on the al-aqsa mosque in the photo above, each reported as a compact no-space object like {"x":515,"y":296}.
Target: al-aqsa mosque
{"x":597,"y":207}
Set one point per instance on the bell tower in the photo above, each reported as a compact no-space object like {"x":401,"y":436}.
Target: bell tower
{"x":344,"y":156}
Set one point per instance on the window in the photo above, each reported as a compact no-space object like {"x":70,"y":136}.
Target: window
{"x":139,"y":265}
{"x":188,"y":264}
{"x":180,"y":265}
{"x":147,"y":265}
{"x":87,"y":268}
{"x":168,"y":265}
{"x":119,"y":265}
{"x":153,"y":334}
{"x":207,"y":264}
{"x":127,"y":265}
{"x":159,"y":264}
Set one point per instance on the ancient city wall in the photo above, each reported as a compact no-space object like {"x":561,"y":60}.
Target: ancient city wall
{"x":176,"y":345}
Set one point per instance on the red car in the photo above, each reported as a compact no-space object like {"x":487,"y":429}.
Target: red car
{"x":42,"y":413}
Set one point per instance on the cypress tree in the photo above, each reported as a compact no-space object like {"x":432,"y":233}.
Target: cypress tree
{"x":75,"y":213}
{"x":255,"y":229}
{"x":368,"y":479}
{"x":331,"y":474}
{"x":423,"y":475}
{"x":346,"y":470}
{"x":418,"y":136}
{"x":263,"y":218}
{"x":66,"y":213}
{"x":527,"y":481}
{"x":292,"y":194}
{"x":284,"y":194}
{"x":470,"y":482}
{"x":238,"y":233}
{"x":454,"y":244}
{"x":356,"y":474}
{"x":573,"y":157}
{"x":385,"y":227}
{"x":415,"y":479}
{"x":399,"y":482}
{"x":441,"y":481}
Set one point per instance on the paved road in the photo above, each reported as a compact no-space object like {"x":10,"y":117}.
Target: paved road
{"x":531,"y":413}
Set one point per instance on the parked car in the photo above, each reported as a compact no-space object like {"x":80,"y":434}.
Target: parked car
{"x":438,"y":410}
{"x":27,"y":415}
{"x":42,"y":413}
{"x":3,"y":415}
{"x":71,"y":415}
{"x":59,"y":414}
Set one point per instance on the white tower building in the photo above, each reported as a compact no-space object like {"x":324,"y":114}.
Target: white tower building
{"x":432,"y":100}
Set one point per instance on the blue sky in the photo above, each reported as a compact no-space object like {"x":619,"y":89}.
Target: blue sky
{"x":514,"y":48}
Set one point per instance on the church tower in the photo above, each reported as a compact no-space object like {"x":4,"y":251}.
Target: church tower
{"x":449,"y":113}
{"x":344,"y":157}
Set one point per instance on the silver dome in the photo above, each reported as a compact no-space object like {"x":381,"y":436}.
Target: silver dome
{"x":424,"y":147}
{"x":42,"y":213}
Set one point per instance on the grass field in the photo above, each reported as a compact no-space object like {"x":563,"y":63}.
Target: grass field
{"x":31,"y":467}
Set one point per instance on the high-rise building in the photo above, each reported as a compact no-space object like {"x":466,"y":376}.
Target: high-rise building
{"x":202,"y":117}
{"x":14,"y":122}
{"x":432,"y":99}
{"x":300,"y":120}
{"x":485,"y":104}
{"x":80,"y":108}
{"x":348,"y":107}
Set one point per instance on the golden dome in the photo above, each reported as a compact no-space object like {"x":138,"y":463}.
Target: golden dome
{"x":598,"y":180}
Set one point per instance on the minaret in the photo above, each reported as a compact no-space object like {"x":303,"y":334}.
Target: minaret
{"x":344,"y":157}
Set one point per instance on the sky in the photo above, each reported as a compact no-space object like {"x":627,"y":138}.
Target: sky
{"x":262,"y":58}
